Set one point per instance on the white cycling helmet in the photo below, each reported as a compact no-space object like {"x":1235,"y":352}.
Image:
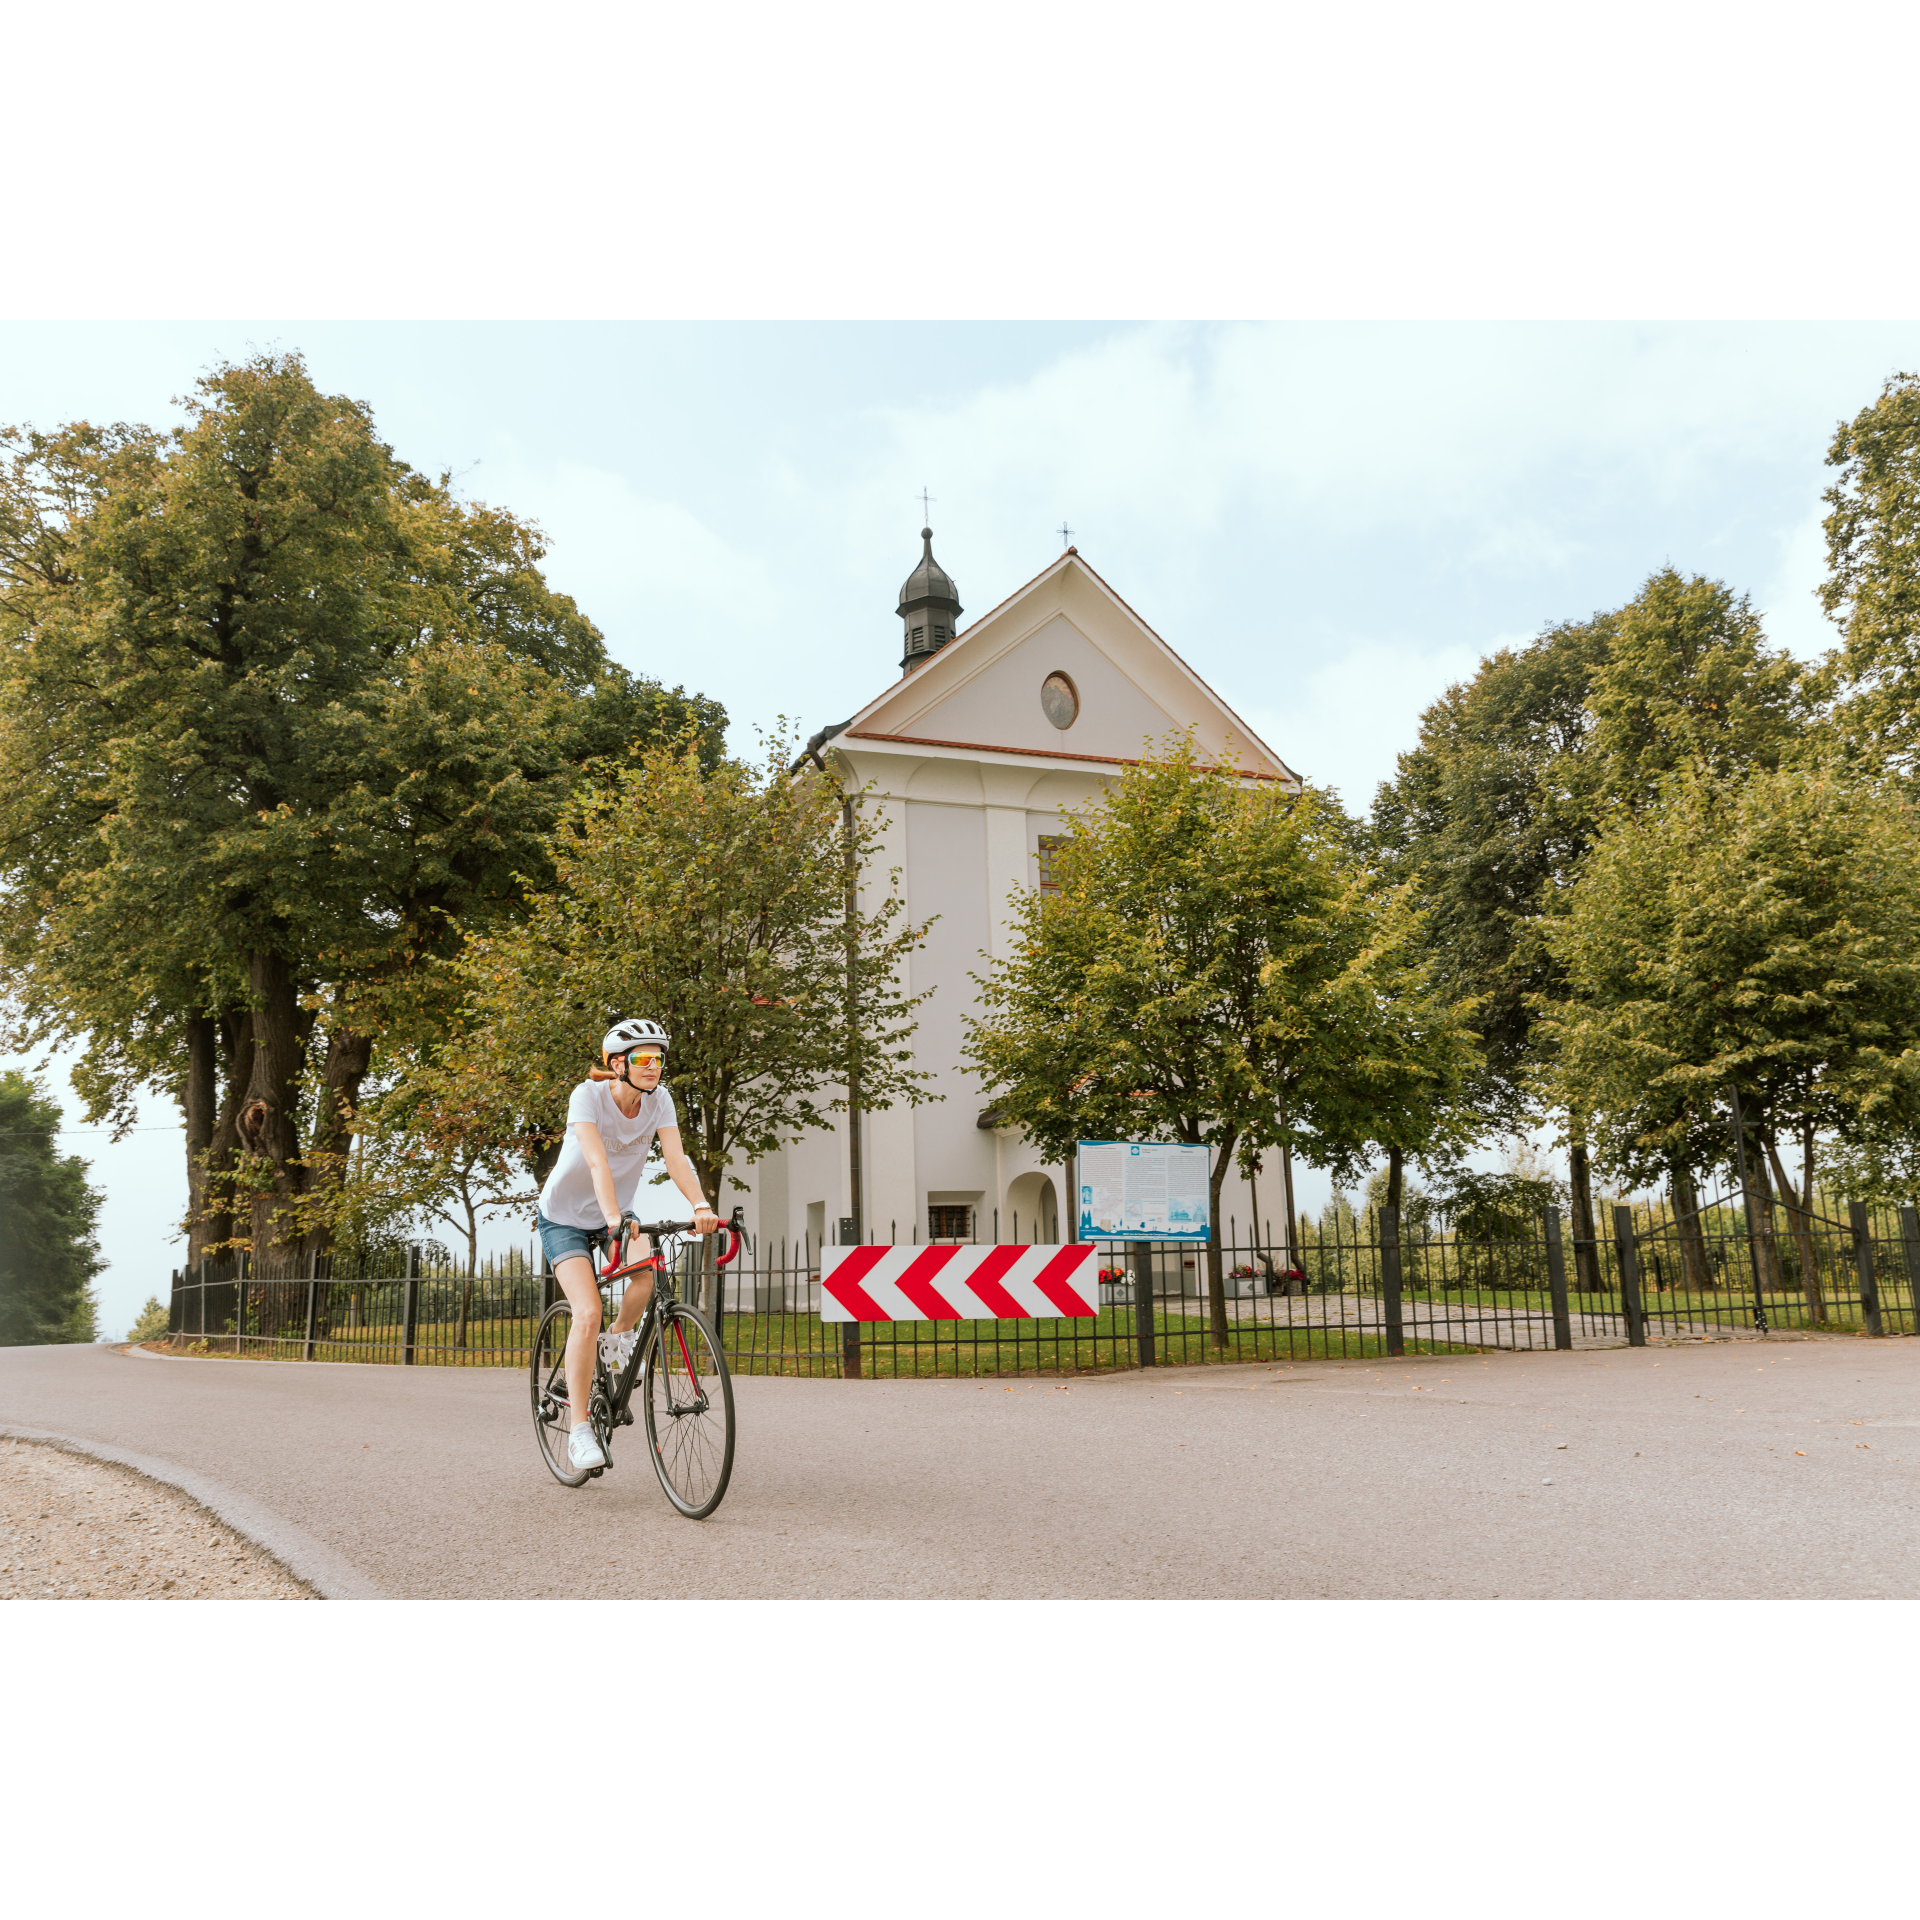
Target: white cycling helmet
{"x":624,"y":1035}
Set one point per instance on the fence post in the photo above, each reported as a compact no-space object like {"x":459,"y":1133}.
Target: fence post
{"x":1388,"y":1222}
{"x":1629,"y":1276}
{"x":410,"y":1311}
{"x":1140,"y":1254}
{"x":239,"y":1302}
{"x":1557,"y":1283}
{"x":313,"y":1299}
{"x":1910,"y":1245}
{"x":1863,"y":1263}
{"x":849,"y":1349}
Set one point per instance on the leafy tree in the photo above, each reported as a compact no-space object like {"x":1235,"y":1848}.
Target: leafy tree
{"x":1688,"y":680}
{"x":1519,"y":771}
{"x":712,"y":899}
{"x":1216,"y":968}
{"x":1756,"y":937}
{"x":1489,"y":816}
{"x":1872,"y":587}
{"x":47,"y":1215}
{"x":276,"y":713}
{"x":152,"y":1323}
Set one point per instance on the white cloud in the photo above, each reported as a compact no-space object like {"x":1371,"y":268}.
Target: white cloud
{"x":1345,"y":722}
{"x":670,"y":592}
{"x":1794,"y":618}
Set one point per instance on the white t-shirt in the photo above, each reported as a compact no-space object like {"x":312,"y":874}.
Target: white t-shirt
{"x":568,"y":1199}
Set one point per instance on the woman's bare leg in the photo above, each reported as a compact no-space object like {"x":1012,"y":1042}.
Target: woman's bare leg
{"x":575,"y":1275}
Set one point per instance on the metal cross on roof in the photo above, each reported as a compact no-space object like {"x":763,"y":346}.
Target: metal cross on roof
{"x":926,"y":501}
{"x":1066,"y":534}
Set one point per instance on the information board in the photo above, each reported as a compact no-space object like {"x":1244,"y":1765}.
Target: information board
{"x":1143,"y":1190}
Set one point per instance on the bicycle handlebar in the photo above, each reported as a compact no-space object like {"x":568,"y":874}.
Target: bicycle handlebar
{"x":732,"y":1236}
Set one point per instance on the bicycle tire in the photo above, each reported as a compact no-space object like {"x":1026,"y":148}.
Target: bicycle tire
{"x":690,"y":1443}
{"x":547,"y":1383}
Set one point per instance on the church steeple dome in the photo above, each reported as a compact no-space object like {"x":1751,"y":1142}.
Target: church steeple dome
{"x":929,"y":607}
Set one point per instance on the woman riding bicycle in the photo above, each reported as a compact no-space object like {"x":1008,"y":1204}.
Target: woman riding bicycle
{"x":613,"y":1118}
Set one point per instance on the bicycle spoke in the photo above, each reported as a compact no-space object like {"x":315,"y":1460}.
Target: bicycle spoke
{"x":689,"y":1413}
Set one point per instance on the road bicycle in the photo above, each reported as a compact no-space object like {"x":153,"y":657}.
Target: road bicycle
{"x":686,"y":1393}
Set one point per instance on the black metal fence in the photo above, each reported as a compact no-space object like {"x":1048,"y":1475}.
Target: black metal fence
{"x":1354,"y":1287}
{"x":429,"y":1313}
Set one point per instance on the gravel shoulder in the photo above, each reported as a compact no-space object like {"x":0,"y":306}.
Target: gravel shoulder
{"x":75,"y":1528}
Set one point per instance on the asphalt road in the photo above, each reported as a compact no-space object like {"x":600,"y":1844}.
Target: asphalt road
{"x":1787,"y":1470}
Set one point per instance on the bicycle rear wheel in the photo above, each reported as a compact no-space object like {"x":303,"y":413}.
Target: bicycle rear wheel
{"x":547,"y":1382}
{"x":686,"y":1395}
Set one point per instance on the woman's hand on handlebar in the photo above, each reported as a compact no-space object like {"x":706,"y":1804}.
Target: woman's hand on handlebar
{"x":703,"y":1212}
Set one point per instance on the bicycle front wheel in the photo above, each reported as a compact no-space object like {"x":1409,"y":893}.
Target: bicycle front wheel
{"x":547,"y":1378}
{"x":686,"y":1395}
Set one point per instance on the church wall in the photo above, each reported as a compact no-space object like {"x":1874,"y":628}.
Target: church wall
{"x":808,"y":1172}
{"x":886,"y":1141}
{"x":947,"y":875}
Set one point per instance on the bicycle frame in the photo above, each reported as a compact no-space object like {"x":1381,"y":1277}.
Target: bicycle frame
{"x":616,"y":1394}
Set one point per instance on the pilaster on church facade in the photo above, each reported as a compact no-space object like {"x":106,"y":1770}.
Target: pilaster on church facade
{"x":966,"y":761}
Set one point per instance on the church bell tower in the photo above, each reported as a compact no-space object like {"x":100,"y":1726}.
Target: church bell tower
{"x":929,"y":608}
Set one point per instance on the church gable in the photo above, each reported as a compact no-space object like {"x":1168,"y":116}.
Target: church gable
{"x":1064,"y":648}
{"x":1005,"y":701}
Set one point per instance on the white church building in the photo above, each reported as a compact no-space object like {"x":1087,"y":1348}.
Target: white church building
{"x":967,"y":759}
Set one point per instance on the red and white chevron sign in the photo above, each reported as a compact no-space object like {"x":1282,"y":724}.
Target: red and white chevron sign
{"x":958,"y":1283}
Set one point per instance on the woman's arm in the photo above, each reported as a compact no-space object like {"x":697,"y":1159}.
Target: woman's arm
{"x":595,"y":1150}
{"x":680,"y":1172}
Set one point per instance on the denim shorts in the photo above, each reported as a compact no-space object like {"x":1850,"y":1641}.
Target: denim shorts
{"x":568,"y":1243}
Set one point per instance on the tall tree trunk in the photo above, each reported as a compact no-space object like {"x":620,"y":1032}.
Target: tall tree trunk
{"x":1396,"y":1168}
{"x":1586,"y":1255}
{"x":1294,"y":1241}
{"x":1216,"y":1277}
{"x":473,"y":1222}
{"x":213,"y":1227}
{"x":349,"y":1055}
{"x":1816,"y":1302}
{"x":199,"y":1103}
{"x":1694,"y":1263}
{"x":1800,"y":1217}
{"x":269,"y":1122}
{"x":1760,"y":1214}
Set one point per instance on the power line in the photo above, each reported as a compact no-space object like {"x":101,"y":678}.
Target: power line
{"x":22,"y":1133}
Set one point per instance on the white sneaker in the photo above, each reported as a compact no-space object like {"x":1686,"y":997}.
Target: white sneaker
{"x":617,"y":1348}
{"x":584,"y":1449}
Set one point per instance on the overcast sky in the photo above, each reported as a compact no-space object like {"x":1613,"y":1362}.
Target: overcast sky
{"x":1330,"y":521}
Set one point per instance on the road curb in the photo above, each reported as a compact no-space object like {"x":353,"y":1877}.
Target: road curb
{"x":326,"y":1572}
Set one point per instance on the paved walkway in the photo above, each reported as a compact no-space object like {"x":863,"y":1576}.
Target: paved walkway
{"x":1728,"y":1471}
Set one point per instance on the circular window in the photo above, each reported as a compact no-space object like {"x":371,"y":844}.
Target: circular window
{"x":1060,"y":700}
